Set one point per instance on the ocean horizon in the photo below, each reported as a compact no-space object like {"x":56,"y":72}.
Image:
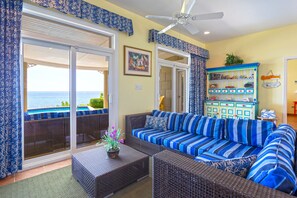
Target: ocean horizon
{"x":41,"y":99}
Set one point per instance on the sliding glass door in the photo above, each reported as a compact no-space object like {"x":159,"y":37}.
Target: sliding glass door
{"x":46,"y":95}
{"x":91,"y":97}
{"x":66,"y":98}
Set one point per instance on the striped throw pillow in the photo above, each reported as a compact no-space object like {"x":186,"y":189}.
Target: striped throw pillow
{"x":211,"y":127}
{"x":190,"y":122}
{"x":248,"y":132}
{"x":274,"y":166}
{"x":283,"y":131}
{"x":174,"y":121}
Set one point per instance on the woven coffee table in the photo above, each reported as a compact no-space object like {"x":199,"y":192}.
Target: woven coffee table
{"x":101,"y":176}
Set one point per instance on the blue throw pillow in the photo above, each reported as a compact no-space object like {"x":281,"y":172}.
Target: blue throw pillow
{"x":248,"y":132}
{"x":211,"y":127}
{"x":156,"y":122}
{"x":236,"y":166}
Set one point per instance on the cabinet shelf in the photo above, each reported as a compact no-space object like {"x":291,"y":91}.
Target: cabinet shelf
{"x":238,"y":107}
{"x":232,"y":80}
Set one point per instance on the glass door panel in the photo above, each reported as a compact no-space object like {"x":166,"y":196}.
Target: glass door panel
{"x":46,"y":99}
{"x":166,"y":74}
{"x":91,"y":98}
{"x":180,"y":90}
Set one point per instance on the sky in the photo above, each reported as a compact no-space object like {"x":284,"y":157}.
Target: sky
{"x":42,"y":78}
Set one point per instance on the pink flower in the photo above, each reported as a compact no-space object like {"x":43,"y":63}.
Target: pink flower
{"x":121,"y":141}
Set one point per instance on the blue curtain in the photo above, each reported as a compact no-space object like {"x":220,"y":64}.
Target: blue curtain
{"x":197,"y":84}
{"x":165,"y":39}
{"x":10,"y":97}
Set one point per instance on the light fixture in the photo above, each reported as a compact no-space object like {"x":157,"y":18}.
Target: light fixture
{"x":206,"y":32}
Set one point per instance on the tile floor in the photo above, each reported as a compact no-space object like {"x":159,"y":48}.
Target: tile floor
{"x":33,"y":172}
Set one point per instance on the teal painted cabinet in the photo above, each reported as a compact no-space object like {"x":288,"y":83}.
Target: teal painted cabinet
{"x":232,"y":91}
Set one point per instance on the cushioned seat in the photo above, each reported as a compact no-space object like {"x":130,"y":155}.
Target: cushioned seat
{"x":229,"y":149}
{"x":174,"y":140}
{"x":152,"y":135}
{"x":206,"y":156}
{"x":197,"y":144}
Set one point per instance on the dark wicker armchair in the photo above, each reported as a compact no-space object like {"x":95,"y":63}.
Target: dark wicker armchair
{"x":175,"y":175}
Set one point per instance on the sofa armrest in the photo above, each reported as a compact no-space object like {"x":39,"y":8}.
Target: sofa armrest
{"x":177,"y":176}
{"x":135,"y":121}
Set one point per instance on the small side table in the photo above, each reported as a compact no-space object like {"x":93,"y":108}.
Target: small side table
{"x":274,"y":120}
{"x":295,"y":107}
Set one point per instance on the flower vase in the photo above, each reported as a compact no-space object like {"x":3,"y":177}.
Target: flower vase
{"x":113,"y":153}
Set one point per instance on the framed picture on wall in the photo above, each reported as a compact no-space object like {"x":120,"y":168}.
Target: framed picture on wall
{"x":137,"y":62}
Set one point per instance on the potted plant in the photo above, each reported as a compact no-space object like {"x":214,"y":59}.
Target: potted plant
{"x":231,"y":59}
{"x":112,"y":138}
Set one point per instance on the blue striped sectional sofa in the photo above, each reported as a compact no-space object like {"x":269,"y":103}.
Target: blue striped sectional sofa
{"x":208,"y":139}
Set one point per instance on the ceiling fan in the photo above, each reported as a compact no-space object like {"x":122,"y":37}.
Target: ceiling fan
{"x":185,"y":17}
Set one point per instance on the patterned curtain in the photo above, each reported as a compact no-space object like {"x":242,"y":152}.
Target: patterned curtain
{"x":167,"y":40}
{"x":10,"y":97}
{"x":197,"y":84}
{"x":84,"y":10}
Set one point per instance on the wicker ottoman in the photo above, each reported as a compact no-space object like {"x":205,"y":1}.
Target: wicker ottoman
{"x":101,"y":176}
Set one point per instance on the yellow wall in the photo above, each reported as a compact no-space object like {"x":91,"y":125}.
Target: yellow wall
{"x":292,"y":85}
{"x":130,"y":100}
{"x":267,"y":47}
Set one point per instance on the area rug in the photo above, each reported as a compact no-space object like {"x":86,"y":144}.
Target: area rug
{"x":61,"y":184}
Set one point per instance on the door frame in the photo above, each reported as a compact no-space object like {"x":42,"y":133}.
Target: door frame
{"x":111,"y":53}
{"x":285,"y":85}
{"x":175,"y":65}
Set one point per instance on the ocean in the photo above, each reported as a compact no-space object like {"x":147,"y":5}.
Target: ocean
{"x":41,"y":99}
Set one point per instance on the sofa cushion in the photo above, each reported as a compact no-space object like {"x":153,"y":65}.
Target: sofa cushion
{"x":197,"y":144}
{"x":249,"y":132}
{"x":211,"y":127}
{"x":274,"y":166}
{"x":157,"y":113}
{"x":283,"y":131}
{"x":174,"y":121}
{"x":190,"y":122}
{"x":156,"y":122}
{"x":236,"y":166}
{"x":152,"y":135}
{"x":229,"y":149}
{"x":174,"y":141}
{"x":206,"y":156}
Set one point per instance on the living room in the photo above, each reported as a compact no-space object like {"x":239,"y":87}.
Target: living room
{"x":183,"y":48}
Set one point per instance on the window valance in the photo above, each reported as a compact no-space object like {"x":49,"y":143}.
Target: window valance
{"x":84,"y":10}
{"x":176,"y":43}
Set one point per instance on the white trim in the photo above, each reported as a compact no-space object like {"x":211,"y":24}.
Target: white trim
{"x":72,"y":86}
{"x":174,"y":65}
{"x":285,"y":84}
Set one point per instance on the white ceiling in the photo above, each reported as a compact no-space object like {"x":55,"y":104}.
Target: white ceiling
{"x":241,"y":16}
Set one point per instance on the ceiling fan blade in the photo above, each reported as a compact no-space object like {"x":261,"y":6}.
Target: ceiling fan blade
{"x":160,"y":17}
{"x":191,"y":28}
{"x":187,"y":6}
{"x":215,"y":15}
{"x":167,"y":28}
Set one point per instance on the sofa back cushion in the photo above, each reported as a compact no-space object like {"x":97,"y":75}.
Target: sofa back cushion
{"x":211,"y":127}
{"x":174,"y":119}
{"x":274,"y":166}
{"x":190,"y":122}
{"x":283,"y":131}
{"x":248,"y":132}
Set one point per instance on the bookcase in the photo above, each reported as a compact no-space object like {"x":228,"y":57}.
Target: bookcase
{"x":232,"y":91}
